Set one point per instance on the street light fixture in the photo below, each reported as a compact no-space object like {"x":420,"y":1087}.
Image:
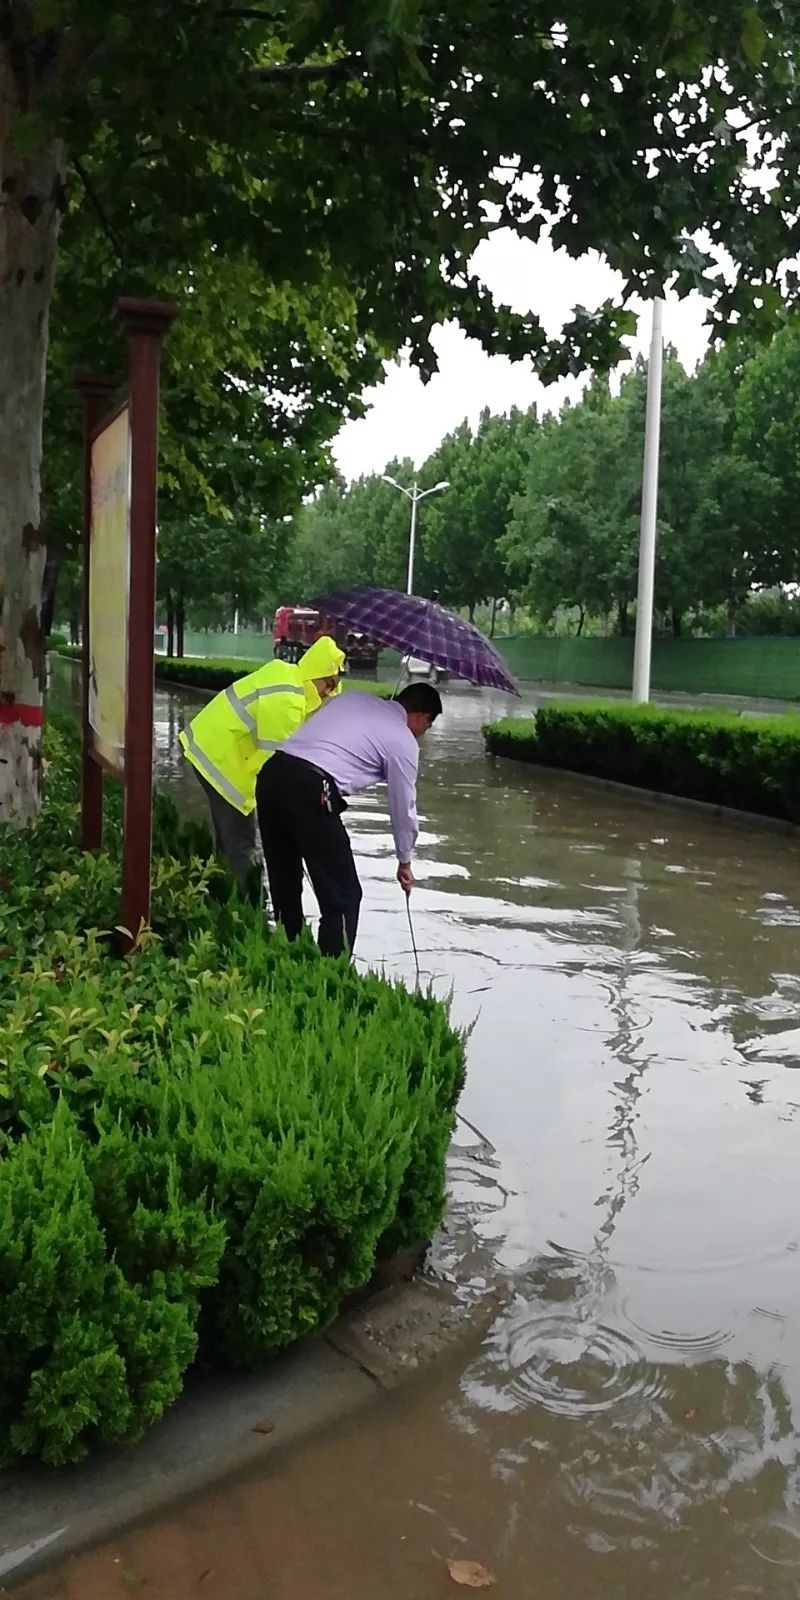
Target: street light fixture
{"x":414,"y":494}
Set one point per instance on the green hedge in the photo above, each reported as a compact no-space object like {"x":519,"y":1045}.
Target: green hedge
{"x":201,"y":673}
{"x":747,"y":763}
{"x":204,"y":1146}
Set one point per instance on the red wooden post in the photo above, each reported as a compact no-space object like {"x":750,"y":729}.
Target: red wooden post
{"x":146,"y":322}
{"x":97,"y":394}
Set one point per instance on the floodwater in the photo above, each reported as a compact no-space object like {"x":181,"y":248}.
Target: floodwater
{"x":629,"y":1425}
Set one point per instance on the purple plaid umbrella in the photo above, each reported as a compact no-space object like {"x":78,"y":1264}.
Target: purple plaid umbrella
{"x":420,"y":628}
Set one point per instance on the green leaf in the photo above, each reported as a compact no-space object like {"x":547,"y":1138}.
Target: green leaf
{"x":753,"y":37}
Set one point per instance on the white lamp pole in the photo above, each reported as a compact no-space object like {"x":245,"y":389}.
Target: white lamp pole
{"x":412,"y":542}
{"x":414,"y":494}
{"x":643,"y":646}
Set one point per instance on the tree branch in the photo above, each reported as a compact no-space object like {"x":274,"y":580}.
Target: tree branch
{"x":308,"y":72}
{"x":94,"y":199}
{"x":247,"y":14}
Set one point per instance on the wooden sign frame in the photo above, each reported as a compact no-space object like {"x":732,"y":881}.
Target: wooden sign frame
{"x":146,"y":323}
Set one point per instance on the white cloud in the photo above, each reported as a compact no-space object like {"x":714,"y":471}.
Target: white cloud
{"x":409,"y":418}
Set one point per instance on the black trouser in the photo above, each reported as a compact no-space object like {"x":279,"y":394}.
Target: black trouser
{"x":299,"y":818}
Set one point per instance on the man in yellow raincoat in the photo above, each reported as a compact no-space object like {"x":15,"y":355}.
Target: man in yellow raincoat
{"x":228,"y":741}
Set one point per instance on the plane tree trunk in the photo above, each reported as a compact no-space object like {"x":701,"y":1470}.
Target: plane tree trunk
{"x":31,"y":203}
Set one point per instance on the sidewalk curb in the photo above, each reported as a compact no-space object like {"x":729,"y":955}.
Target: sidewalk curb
{"x":226,"y":1423}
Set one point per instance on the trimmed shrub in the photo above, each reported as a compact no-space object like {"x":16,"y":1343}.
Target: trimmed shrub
{"x":202,"y":673}
{"x":206,"y":1145}
{"x":212,"y":675}
{"x":748,"y":763}
{"x":92,"y":1344}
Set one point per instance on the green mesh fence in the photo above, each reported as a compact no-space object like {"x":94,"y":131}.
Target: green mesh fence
{"x":763,"y":668}
{"x":250,"y":646}
{"x":768,"y":668}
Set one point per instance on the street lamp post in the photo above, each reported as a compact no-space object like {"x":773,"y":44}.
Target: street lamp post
{"x":643,"y":644}
{"x":414,"y":494}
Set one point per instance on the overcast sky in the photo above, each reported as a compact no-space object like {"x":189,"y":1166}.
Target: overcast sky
{"x":409,"y":418}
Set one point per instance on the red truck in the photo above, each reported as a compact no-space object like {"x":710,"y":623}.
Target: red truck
{"x":296,"y":627}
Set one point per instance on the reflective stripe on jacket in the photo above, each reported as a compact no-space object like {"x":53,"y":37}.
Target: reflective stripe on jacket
{"x":231,"y":738}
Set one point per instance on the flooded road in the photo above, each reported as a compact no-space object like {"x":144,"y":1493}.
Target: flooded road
{"x":629,"y":1426}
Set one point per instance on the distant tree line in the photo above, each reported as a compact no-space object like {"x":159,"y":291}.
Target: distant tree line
{"x":542,"y":514}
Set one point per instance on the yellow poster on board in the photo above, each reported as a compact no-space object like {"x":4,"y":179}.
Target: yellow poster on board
{"x":109,"y":579}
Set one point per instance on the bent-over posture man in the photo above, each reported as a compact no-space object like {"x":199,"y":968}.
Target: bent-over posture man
{"x":351,"y":743}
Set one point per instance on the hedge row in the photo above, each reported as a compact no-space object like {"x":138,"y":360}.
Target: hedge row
{"x":204,"y":1146}
{"x":745,"y":762}
{"x":212,"y":674}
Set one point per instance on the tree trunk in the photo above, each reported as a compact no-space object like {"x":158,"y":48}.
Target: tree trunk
{"x":471,"y":609}
{"x":731,"y":610}
{"x":677,"y":622}
{"x":170,"y":625}
{"x":581,"y":620}
{"x":31,"y":203}
{"x":494,"y":619}
{"x":52,"y":569}
{"x":180,"y":628}
{"x":512,"y":615}
{"x":623,"y":620}
{"x":74,"y":627}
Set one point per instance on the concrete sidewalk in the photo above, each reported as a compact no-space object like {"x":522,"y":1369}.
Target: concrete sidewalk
{"x":224,"y":1423}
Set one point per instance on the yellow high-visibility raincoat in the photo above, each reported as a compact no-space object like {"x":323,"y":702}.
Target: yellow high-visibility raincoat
{"x":231,"y":738}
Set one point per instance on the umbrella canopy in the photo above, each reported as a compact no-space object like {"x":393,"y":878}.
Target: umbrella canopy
{"x":423,"y":629}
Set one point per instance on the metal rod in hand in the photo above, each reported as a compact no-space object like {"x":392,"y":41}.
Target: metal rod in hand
{"x":411,"y":931}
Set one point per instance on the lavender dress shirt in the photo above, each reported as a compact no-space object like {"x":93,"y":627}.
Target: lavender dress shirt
{"x":360,"y":740}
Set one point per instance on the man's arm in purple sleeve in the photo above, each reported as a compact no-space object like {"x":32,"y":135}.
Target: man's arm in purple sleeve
{"x":401,"y":780}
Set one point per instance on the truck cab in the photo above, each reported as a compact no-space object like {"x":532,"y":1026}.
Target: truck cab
{"x":296,"y":627}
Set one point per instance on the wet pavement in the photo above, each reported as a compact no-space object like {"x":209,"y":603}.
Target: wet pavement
{"x":627,"y":1158}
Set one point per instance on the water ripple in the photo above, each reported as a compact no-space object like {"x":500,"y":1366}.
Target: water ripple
{"x":571,"y":1366}
{"x":690,"y":1346}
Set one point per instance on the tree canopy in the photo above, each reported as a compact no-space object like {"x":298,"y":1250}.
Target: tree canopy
{"x":374,"y":145}
{"x":723,"y":522}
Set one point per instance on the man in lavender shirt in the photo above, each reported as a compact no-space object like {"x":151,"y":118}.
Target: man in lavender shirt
{"x":349,"y":744}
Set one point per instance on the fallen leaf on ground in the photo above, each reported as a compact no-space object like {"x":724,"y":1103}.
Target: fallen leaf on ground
{"x":472,"y":1574}
{"x":264,"y":1427}
{"x":692,"y":1414}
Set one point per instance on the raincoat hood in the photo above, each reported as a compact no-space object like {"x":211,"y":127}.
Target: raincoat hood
{"x":323,"y":659}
